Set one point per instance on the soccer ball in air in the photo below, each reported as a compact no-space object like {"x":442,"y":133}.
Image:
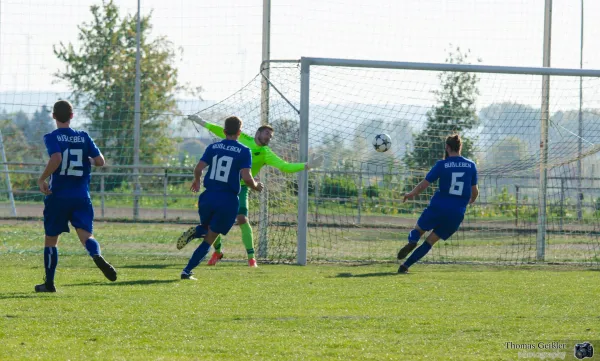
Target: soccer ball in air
{"x":382,"y":142}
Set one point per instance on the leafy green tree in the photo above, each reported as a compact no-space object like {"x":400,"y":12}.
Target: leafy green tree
{"x":23,"y":134}
{"x":455,"y":112}
{"x":509,"y":153}
{"x":100,"y":70}
{"x":191,"y":147}
{"x":339,"y":187}
{"x":506,"y":119}
{"x":41,"y":123}
{"x":15,"y":142}
{"x":335,"y":151}
{"x":42,"y":120}
{"x":17,"y":149}
{"x":21,"y":121}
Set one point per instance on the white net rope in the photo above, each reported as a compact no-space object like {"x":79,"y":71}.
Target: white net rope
{"x":355,"y":200}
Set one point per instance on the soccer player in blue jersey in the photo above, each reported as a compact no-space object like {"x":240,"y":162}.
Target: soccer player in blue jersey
{"x":228,"y":160}
{"x":457,"y":188}
{"x":262,"y":155}
{"x":72,"y":153}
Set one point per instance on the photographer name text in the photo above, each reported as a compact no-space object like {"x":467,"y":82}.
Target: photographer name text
{"x":536,"y":346}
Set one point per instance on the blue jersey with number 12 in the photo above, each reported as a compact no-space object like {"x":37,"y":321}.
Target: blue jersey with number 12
{"x":457,"y":175}
{"x":72,"y":178}
{"x":225,"y":159}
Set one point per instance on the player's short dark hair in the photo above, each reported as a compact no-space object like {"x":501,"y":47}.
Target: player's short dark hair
{"x":454,"y":142}
{"x":233,"y":125}
{"x":62,"y":111}
{"x":263,"y":127}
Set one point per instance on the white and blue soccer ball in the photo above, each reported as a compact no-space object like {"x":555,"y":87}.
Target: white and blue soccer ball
{"x":382,"y":142}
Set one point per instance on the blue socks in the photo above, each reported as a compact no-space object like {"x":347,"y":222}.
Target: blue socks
{"x":92,"y":247}
{"x":51,"y":258}
{"x":417,"y":254}
{"x":197,"y":257}
{"x":414,"y":236}
{"x":50,"y":263}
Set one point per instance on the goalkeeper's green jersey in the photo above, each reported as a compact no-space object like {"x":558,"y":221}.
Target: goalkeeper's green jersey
{"x":261,"y":155}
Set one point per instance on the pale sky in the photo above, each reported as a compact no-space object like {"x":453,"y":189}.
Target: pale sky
{"x":221,"y":39}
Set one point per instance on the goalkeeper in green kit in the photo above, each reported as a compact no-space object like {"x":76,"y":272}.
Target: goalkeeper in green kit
{"x":261,"y":155}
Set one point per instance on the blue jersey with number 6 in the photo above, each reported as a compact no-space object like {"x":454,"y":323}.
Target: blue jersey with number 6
{"x":456,"y":176}
{"x":225,"y":160}
{"x":72,"y":178}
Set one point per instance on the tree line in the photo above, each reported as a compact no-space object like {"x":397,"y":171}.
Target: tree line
{"x":100,"y":71}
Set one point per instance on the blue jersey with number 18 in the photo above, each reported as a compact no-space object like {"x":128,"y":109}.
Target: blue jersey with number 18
{"x":225,"y":159}
{"x":72,"y":178}
{"x":457,"y":175}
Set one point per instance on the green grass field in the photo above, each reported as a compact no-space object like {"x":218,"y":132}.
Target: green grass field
{"x":276,"y":312}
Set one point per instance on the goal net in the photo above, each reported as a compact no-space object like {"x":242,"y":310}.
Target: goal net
{"x":355,"y":209}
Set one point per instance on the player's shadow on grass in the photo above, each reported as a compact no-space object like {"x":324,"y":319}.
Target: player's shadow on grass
{"x":125,"y":283}
{"x":18,"y":295}
{"x":146,"y":266}
{"x":376,"y":274}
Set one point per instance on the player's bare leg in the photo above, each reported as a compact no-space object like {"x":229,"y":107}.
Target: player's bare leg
{"x":93,"y":248}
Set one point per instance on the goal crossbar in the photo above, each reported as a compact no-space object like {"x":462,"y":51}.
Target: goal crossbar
{"x":474,"y":68}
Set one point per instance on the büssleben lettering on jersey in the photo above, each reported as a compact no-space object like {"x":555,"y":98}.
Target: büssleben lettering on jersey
{"x":230,"y":148}
{"x":70,"y":139}
{"x":457,"y":165}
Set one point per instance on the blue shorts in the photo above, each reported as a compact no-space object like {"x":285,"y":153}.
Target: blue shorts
{"x":443,"y":222}
{"x":58,"y":211}
{"x":218,"y":210}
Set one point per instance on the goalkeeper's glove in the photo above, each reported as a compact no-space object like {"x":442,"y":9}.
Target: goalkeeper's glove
{"x":315,"y":162}
{"x":196,"y":119}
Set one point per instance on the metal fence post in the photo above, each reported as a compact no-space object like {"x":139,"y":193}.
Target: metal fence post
{"x":102,"y":195}
{"x":359,"y":195}
{"x":11,"y":197}
{"x":317,"y":196}
{"x":516,"y":205}
{"x":165,"y":190}
{"x":562,"y":201}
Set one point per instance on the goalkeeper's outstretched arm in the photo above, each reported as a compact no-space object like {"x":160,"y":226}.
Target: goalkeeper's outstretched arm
{"x":213,"y":128}
{"x":218,"y":130}
{"x":273,"y":160}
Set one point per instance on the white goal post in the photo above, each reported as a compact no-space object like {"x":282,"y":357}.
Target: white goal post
{"x":305,"y":103}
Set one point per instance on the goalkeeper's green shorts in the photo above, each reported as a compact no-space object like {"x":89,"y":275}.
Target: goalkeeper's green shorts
{"x":243,"y":196}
